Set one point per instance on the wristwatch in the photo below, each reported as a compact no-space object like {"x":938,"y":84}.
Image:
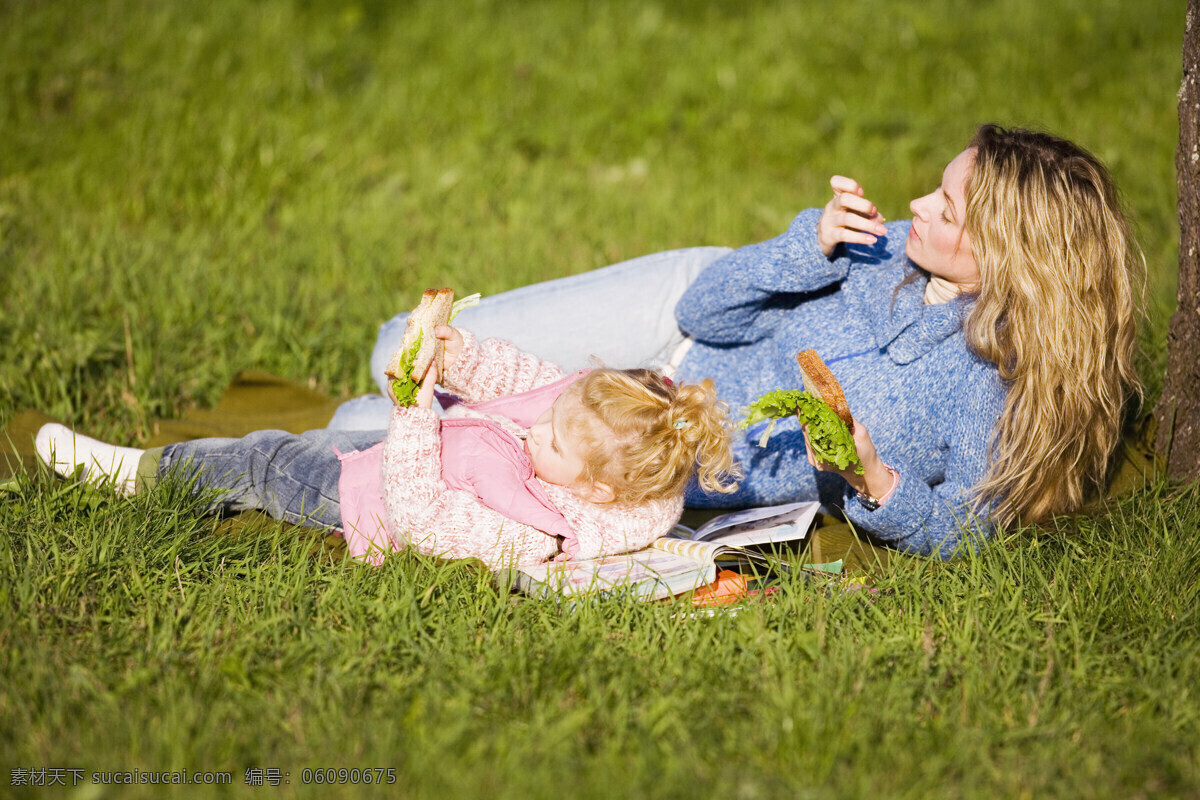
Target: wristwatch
{"x":868,"y":502}
{"x":871,"y":503}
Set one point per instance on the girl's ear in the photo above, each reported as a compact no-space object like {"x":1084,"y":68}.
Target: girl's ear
{"x":598,"y":492}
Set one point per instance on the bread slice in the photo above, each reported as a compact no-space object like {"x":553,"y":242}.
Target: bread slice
{"x":819,"y":381}
{"x":433,"y":310}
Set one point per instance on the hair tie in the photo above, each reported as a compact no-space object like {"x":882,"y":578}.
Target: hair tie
{"x":680,"y":424}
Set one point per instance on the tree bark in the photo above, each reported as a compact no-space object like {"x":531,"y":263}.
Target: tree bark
{"x":1178,"y":410}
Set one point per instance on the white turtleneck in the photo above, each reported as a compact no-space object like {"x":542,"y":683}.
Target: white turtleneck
{"x":940,"y":290}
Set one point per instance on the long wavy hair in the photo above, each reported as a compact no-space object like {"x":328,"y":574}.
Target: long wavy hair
{"x":1059,"y":301}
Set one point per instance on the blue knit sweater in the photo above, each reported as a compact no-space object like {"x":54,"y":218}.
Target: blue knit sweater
{"x":929,"y":404}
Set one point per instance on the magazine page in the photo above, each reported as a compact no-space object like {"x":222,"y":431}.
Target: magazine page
{"x":703,"y":552}
{"x":782,"y":523}
{"x":649,"y":574}
{"x":711,"y":552}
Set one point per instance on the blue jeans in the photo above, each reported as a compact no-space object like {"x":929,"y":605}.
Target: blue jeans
{"x":291,"y":477}
{"x":623,"y":314}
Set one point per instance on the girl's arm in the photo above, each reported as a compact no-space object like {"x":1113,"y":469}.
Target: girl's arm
{"x":483,"y":370}
{"x":742,"y":297}
{"x":605,"y":530}
{"x":439,"y":521}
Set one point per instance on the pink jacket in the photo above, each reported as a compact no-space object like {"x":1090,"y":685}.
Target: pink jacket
{"x":433,"y":494}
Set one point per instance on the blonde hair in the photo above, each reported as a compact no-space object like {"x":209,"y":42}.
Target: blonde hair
{"x":1059,"y":299}
{"x":645,"y":436}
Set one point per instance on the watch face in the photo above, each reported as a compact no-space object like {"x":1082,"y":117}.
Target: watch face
{"x":868,"y":502}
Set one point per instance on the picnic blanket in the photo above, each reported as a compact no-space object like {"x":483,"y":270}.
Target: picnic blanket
{"x":259,"y":401}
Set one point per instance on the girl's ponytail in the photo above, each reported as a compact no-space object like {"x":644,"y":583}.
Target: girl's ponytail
{"x":658,"y":434}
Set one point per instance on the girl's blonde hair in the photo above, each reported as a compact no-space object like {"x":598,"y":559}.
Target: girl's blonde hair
{"x":1060,"y":290}
{"x":644,"y":435}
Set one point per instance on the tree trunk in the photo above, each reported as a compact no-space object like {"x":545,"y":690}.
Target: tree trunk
{"x":1178,"y":410}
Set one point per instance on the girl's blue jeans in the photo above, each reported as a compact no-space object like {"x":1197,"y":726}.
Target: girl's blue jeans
{"x":291,"y":477}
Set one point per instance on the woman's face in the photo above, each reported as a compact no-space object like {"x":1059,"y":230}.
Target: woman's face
{"x":937,"y":241}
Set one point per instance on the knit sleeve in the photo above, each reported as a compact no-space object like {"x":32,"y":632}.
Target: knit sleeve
{"x":605,"y":530}
{"x":494,"y":368}
{"x":427,"y":514}
{"x":943,"y":517}
{"x":737,"y":299}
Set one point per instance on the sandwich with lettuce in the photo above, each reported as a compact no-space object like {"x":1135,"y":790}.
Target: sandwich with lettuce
{"x":821,"y":407}
{"x":420,"y":347}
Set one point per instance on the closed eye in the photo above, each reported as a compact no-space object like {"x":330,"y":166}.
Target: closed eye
{"x":949,"y":209}
{"x":553,"y":431}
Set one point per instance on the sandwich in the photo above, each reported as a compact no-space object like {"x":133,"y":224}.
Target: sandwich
{"x":821,"y":407}
{"x":420,"y":347}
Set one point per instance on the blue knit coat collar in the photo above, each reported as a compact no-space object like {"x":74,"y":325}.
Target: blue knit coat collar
{"x":909,"y":328}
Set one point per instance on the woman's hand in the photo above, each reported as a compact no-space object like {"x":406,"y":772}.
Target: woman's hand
{"x":848,"y":217}
{"x":454,"y":345}
{"x":876,"y":479}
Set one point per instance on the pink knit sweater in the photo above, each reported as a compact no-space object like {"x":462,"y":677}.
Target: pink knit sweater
{"x":424,"y":512}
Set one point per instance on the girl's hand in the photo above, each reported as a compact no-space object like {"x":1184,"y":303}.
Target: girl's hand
{"x":425,"y":393}
{"x":848,"y":217}
{"x":875,"y":481}
{"x":454,"y":344}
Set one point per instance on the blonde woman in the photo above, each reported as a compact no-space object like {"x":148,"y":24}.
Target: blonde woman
{"x":985,"y":347}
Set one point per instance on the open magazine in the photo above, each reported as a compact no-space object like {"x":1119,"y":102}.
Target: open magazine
{"x":670,"y":566}
{"x":758,"y":526}
{"x":681,"y":562}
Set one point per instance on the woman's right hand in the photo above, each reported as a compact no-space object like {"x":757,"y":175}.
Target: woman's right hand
{"x":454,"y":344}
{"x":848,"y":217}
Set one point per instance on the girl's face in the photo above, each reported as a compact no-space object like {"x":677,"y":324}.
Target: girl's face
{"x":937,"y":241}
{"x":557,"y":454}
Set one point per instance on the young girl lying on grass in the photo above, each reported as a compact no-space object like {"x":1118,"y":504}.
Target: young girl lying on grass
{"x":526,"y":465}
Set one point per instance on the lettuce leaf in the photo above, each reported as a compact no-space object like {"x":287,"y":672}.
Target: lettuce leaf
{"x":461,"y":304}
{"x":831,"y":439}
{"x":404,"y":388}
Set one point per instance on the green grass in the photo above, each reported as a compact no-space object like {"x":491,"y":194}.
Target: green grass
{"x":189,"y":189}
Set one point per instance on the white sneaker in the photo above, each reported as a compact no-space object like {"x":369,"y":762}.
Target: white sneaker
{"x":63,"y":450}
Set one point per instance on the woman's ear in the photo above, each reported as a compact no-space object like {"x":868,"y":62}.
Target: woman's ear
{"x":598,"y":492}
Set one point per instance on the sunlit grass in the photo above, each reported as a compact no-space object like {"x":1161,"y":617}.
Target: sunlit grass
{"x":189,"y":189}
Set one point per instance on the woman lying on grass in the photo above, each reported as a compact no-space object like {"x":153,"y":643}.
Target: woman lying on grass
{"x":985,"y":348}
{"x":528,"y":464}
